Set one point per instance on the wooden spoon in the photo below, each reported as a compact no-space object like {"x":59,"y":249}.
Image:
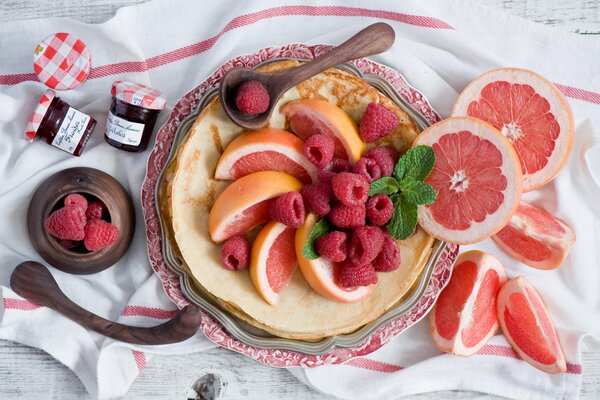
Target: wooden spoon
{"x":374,"y":39}
{"x":34,"y":282}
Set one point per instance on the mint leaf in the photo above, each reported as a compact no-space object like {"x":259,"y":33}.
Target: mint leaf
{"x":321,"y":228}
{"x":386,"y":185}
{"x":417,"y":192}
{"x":404,"y":219}
{"x":416,"y":163}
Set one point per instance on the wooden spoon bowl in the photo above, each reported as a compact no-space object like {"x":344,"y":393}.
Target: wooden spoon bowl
{"x":91,"y":183}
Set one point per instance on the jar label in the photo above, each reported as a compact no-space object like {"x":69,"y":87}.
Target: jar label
{"x":123,"y":131}
{"x":71,"y":130}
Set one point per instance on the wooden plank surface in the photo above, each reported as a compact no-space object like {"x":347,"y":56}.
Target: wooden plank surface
{"x":30,"y":373}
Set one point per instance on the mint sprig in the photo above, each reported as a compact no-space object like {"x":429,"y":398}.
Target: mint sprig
{"x":407,"y":189}
{"x":321,"y":228}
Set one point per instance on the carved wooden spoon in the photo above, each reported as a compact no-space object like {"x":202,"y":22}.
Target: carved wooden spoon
{"x":34,"y":282}
{"x":374,"y":39}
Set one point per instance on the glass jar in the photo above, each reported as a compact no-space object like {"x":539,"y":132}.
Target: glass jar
{"x":132,"y":116}
{"x":60,"y":125}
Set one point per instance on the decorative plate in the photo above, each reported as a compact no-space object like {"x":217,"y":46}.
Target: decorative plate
{"x":222,"y":328}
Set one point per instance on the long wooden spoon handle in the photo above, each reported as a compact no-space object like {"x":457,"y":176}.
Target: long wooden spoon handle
{"x":34,"y":282}
{"x":374,"y":39}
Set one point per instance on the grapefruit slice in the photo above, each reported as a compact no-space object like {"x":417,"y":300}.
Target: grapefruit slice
{"x":530,"y":111}
{"x":245,"y":203}
{"x":527,"y":326}
{"x":536,"y":238}
{"x":309,"y":117}
{"x":320,"y":273}
{"x":265,"y":150}
{"x":477,"y":176}
{"x":464,"y":316}
{"x":273,"y":260}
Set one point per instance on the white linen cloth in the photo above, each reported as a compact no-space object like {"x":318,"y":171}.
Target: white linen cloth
{"x":440,"y":46}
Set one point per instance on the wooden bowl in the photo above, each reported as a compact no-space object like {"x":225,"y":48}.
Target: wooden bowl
{"x":90,"y":182}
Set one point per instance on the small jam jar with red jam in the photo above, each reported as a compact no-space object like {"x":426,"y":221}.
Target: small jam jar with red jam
{"x":60,"y":125}
{"x":132,"y":115}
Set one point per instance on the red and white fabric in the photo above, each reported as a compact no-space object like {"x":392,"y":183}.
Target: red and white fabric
{"x":138,"y":95}
{"x":62,"y":61}
{"x":441,"y":45}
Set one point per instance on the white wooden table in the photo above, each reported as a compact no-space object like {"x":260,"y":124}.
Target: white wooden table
{"x":30,"y":373}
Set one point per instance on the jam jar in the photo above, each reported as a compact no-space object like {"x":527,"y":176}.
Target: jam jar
{"x":132,"y":116}
{"x":59,"y":124}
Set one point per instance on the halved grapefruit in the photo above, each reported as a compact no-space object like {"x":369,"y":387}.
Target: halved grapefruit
{"x":464,"y":316}
{"x":320,"y":273}
{"x":477,"y":176}
{"x":536,"y":238}
{"x":245,"y":203}
{"x":273,"y":260}
{"x":309,"y":117}
{"x":527,"y":326}
{"x":530,"y":111}
{"x":265,"y":150}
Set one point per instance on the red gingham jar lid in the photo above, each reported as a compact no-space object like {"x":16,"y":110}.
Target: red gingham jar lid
{"x":38,"y":114}
{"x":61,"y":61}
{"x":138,"y":95}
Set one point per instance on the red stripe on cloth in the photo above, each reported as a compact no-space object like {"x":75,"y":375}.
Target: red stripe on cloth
{"x":152,"y":312}
{"x":140,"y":359}
{"x":505,"y":351}
{"x":238,"y":22}
{"x":580,"y":94}
{"x":20,"y":304}
{"x":373,"y":365}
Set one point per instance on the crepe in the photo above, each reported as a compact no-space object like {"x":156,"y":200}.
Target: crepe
{"x":191,"y":190}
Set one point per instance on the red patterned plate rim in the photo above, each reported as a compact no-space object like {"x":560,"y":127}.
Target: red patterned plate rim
{"x":171,"y":281}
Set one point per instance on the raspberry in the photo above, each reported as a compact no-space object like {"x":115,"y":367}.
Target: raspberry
{"x":68,"y":244}
{"x":388,"y":259}
{"x":67,"y":223}
{"x":365,"y":245}
{"x":353,"y":275}
{"x":379,"y":209}
{"x":235,"y":253}
{"x":368,"y":168}
{"x":377,"y":122}
{"x":318,"y":149}
{"x":95,"y":210}
{"x":385,"y":156}
{"x":339,"y":165}
{"x":288,"y":209}
{"x":344,"y":216}
{"x":100,"y":234}
{"x":252,"y":98}
{"x":76,"y":199}
{"x":317,"y":197}
{"x":350,"y":189}
{"x":332,"y":246}
{"x":325,"y":175}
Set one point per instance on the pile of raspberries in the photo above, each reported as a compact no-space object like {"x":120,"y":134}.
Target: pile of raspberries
{"x":80,"y":220}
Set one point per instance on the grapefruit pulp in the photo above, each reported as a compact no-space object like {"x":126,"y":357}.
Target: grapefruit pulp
{"x":527,"y":326}
{"x":477,"y":177}
{"x":530,"y":111}
{"x":536,"y":238}
{"x":464,"y":316}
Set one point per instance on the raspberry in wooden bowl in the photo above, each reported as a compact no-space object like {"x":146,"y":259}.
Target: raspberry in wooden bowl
{"x":81,"y":220}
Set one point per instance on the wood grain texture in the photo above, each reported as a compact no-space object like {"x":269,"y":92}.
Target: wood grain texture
{"x":26,"y":372}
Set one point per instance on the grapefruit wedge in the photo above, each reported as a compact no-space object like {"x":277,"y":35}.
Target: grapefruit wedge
{"x":320,"y":273}
{"x":527,"y":326}
{"x":273,"y":260}
{"x":464,"y":316}
{"x":477,"y":176}
{"x":530,"y":111}
{"x":265,"y":150}
{"x":536,"y":238}
{"x":309,"y":117}
{"x":245,"y":203}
